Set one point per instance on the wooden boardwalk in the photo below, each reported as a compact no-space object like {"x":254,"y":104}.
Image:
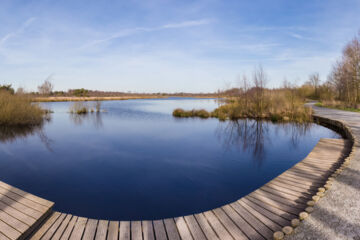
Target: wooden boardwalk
{"x":255,"y":216}
{"x":20,"y":212}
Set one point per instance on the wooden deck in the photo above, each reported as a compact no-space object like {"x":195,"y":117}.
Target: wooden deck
{"x":20,"y":212}
{"x":255,"y":216}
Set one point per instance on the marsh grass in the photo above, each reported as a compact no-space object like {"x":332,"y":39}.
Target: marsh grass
{"x":282,"y":105}
{"x":83,"y":108}
{"x":18,"y":110}
{"x":193,"y":113}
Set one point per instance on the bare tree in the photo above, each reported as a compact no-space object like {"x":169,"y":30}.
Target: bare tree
{"x":20,"y":91}
{"x":47,"y":87}
{"x":314,"y":80}
{"x":259,"y":81}
{"x":345,"y":75}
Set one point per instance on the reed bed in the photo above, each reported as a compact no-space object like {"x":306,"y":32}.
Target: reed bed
{"x":18,"y":110}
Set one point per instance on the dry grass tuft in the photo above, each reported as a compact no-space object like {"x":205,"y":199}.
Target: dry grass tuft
{"x":18,"y":110}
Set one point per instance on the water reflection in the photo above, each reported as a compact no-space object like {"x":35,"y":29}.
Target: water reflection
{"x":253,"y":135}
{"x":9,"y":134}
{"x":249,"y":135}
{"x":94,"y":118}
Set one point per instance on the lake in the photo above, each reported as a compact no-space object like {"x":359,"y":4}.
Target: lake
{"x":136,"y":161}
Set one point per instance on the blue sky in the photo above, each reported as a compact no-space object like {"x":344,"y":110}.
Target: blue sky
{"x":170,"y":46}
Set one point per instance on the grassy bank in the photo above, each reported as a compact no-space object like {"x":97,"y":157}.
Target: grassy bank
{"x":108,"y":98}
{"x":282,"y":105}
{"x":18,"y":110}
{"x":338,"y":105}
{"x":86,"y":99}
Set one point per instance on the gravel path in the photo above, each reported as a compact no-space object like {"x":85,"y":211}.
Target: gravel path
{"x":337,"y":215}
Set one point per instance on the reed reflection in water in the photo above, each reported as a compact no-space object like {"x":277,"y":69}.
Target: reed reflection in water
{"x":95,"y":118}
{"x":253,"y":135}
{"x":10,"y":134}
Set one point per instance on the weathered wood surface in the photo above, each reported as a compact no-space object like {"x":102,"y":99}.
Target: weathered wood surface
{"x":20,"y":212}
{"x":255,"y":216}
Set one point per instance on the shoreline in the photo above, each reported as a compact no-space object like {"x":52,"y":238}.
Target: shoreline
{"x":111,"y":98}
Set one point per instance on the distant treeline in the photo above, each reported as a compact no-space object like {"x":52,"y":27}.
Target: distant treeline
{"x":46,"y":90}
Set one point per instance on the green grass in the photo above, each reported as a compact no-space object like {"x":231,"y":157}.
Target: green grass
{"x":339,"y":107}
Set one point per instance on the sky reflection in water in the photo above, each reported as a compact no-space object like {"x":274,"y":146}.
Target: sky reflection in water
{"x":135,"y":161}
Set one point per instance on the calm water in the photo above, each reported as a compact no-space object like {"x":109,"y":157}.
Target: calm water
{"x":136,"y":161}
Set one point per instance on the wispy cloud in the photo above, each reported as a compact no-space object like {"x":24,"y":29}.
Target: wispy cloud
{"x":301,"y":37}
{"x":132,"y":31}
{"x":10,"y":35}
{"x":187,"y":24}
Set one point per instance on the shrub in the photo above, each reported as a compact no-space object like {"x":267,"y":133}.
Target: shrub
{"x":7,"y":88}
{"x":18,"y":110}
{"x":79,"y":108}
{"x":202,"y":113}
{"x":80,"y":92}
{"x":84,"y":108}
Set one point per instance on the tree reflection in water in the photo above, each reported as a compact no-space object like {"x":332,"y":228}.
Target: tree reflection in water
{"x":80,"y":119}
{"x":9,"y":134}
{"x":252,"y":135}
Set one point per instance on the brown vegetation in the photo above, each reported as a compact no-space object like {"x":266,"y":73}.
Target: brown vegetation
{"x":254,"y":100}
{"x":18,"y":110}
{"x":342,"y":88}
{"x":85,"y":108}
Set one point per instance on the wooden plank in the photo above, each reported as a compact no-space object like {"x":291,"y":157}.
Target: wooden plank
{"x":62,"y":227}
{"x":69,"y":228}
{"x":205,"y":227}
{"x":289,"y":190}
{"x":9,"y":231}
{"x":233,"y":229}
{"x":266,"y":221}
{"x":280,"y":221}
{"x":282,"y":194}
{"x":54,"y":227}
{"x":13,"y":222}
{"x":43,"y":229}
{"x":78,"y":229}
{"x":194,"y":227}
{"x":305,"y":190}
{"x":271,"y":208}
{"x":159,"y":228}
{"x":3,"y":237}
{"x":20,"y":207}
{"x":148,"y":230}
{"x":183,"y":229}
{"x":305,"y":176}
{"x":274,"y":203}
{"x":244,"y":226}
{"x":217,"y":226}
{"x":24,"y":201}
{"x":24,"y":194}
{"x":280,"y":198}
{"x":171,"y":229}
{"x":136,"y":231}
{"x":113,"y":231}
{"x":124,"y":230}
{"x":253,"y":221}
{"x":297,"y":182}
{"x":90,"y":229}
{"x":101,"y":231}
{"x":17,"y":214}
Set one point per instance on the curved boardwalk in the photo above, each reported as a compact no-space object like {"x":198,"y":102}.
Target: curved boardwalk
{"x":337,"y":216}
{"x":255,"y":216}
